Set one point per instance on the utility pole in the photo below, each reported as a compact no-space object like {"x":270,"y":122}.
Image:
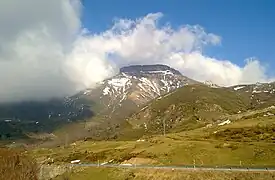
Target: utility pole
{"x":163,"y":126}
{"x":66,"y":140}
{"x":194,"y":163}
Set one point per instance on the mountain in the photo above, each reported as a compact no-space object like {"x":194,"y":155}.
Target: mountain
{"x":19,"y":119}
{"x":132,"y":88}
{"x":110,"y":102}
{"x":140,"y":99}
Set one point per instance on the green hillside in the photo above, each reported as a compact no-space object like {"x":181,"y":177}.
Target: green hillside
{"x":206,"y":146}
{"x":190,"y":107}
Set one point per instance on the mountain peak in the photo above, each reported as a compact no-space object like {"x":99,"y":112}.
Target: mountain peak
{"x":133,"y":87}
{"x":148,"y":69}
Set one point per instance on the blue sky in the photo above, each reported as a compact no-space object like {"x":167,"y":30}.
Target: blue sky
{"x":247,"y":27}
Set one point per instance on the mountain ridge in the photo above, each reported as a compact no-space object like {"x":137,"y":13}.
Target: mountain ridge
{"x":118,"y":103}
{"x":113,"y":99}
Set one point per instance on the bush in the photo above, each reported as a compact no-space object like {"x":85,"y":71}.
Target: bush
{"x":16,"y":166}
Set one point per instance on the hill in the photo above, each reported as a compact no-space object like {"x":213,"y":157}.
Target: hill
{"x":208,"y":146}
{"x":262,"y":95}
{"x":190,"y":107}
{"x":198,"y":105}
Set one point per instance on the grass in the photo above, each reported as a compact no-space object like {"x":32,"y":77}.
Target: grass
{"x":166,"y":150}
{"x":16,"y":166}
{"x":200,"y":145}
{"x":198,"y":103}
{"x":188,"y":108}
{"x":247,"y":142}
{"x":149,"y":174}
{"x":248,"y":134}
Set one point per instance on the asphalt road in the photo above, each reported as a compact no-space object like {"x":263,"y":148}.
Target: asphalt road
{"x":176,"y":167}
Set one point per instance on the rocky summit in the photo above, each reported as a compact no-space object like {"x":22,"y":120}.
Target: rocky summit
{"x":134,"y":86}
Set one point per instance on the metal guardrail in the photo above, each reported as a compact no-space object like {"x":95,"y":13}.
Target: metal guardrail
{"x":203,"y":168}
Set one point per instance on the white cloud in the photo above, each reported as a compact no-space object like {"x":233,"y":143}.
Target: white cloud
{"x":38,"y":38}
{"x":143,"y":41}
{"x":44,"y":52}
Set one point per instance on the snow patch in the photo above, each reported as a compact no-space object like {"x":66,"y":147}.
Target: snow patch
{"x":75,"y":161}
{"x":238,"y":88}
{"x":140,"y":140}
{"x":268,"y":114}
{"x":256,"y":92}
{"x":106,"y":90}
{"x":104,"y":163}
{"x":119,"y":82}
{"x":224,"y":123}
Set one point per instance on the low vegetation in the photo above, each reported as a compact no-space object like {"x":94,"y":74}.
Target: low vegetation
{"x":170,"y":150}
{"x":191,"y":119}
{"x":245,"y":142}
{"x":14,"y":165}
{"x":188,"y":108}
{"x":150,"y":174}
{"x":247,"y":134}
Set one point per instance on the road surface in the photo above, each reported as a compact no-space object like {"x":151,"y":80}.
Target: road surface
{"x":175,"y":167}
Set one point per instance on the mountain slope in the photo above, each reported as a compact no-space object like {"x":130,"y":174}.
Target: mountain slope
{"x":108,"y":104}
{"x":19,"y":119}
{"x":138,"y":100}
{"x":132,"y":88}
{"x":190,"y":107}
{"x":199,"y":105}
{"x":261,"y":95}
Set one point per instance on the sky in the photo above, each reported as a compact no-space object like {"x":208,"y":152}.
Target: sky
{"x":63,"y":46}
{"x":247,"y":27}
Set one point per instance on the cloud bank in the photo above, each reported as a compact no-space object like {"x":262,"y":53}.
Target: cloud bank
{"x":45,"y":52}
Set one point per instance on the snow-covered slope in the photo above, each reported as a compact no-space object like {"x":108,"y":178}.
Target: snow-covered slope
{"x":131,"y":88}
{"x":135,"y":86}
{"x":142,"y":88}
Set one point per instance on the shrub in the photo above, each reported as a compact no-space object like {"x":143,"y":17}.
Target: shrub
{"x":16,"y":166}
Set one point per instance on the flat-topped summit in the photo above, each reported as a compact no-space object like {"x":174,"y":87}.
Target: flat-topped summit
{"x":148,"y":69}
